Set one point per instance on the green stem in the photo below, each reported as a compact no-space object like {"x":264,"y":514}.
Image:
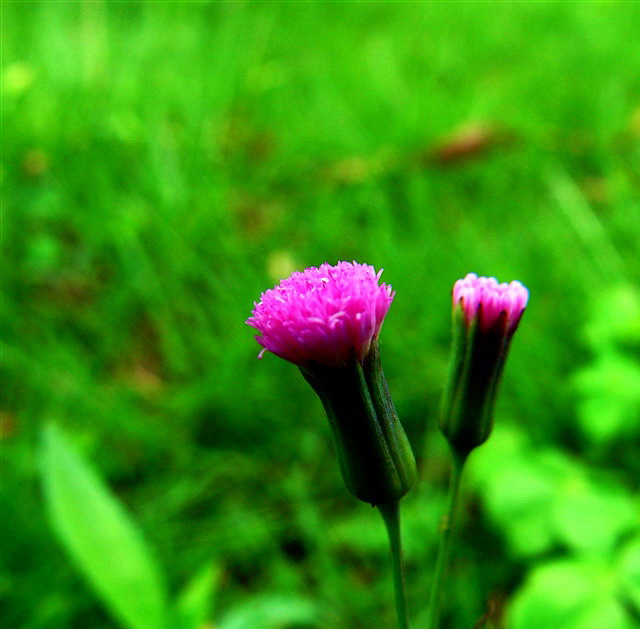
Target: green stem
{"x":391,"y":516}
{"x":446,"y":535}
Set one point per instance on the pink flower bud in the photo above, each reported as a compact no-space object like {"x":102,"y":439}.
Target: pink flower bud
{"x":485,"y":317}
{"x":491,"y":303}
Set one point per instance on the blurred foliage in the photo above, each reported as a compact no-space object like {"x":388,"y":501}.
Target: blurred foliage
{"x":162,"y":163}
{"x":100,"y":538}
{"x":609,"y":387}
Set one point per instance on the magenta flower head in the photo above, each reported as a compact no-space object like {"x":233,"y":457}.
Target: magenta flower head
{"x":326,"y":320}
{"x":485,"y":316}
{"x":325,"y":315}
{"x":491,"y":304}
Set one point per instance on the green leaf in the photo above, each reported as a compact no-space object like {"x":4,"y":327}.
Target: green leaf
{"x":615,"y":320}
{"x":568,"y":594}
{"x":100,"y":537}
{"x":610,"y":397}
{"x":541,"y":498}
{"x":271,"y":612}
{"x":520,"y":501}
{"x":591,"y":516}
{"x":519,"y":487}
{"x":629,"y":571}
{"x":194,"y":604}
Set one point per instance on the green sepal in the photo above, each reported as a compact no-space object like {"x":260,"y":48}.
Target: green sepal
{"x":478,"y":357}
{"x":374,"y":454}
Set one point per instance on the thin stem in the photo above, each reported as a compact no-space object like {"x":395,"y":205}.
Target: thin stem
{"x":391,"y":516}
{"x":446,"y":535}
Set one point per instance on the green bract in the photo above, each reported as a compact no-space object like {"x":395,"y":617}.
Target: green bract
{"x":476,"y":367}
{"x":375,"y":457}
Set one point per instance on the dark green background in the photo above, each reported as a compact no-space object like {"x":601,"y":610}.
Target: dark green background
{"x":163,"y":163}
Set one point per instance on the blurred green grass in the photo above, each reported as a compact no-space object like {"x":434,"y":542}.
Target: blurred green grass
{"x":163,"y":163}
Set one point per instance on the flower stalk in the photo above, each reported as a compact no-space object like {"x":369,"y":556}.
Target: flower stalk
{"x":447,"y":526}
{"x":391,"y":515}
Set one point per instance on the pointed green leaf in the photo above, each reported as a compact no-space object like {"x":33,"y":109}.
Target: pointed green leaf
{"x":271,"y":611}
{"x":194,"y":604}
{"x":629,"y":570}
{"x":100,"y":537}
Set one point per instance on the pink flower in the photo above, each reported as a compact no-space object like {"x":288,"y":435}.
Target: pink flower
{"x":490,"y":302}
{"x":324,"y":315}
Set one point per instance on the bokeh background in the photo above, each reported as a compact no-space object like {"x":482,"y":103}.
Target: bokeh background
{"x":163,"y":163}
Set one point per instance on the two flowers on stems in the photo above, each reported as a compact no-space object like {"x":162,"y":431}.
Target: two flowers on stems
{"x":327,"y":320}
